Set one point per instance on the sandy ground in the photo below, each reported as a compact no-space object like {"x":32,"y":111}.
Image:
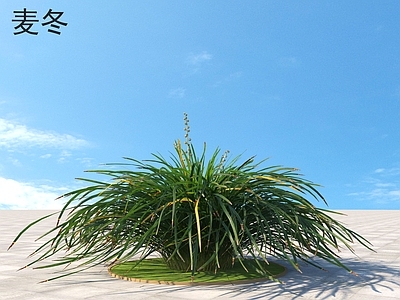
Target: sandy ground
{"x":378,"y":272}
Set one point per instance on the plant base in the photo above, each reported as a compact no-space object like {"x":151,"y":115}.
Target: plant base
{"x":155,"y":271}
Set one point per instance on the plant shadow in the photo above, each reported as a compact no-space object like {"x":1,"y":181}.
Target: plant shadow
{"x":373,"y":278}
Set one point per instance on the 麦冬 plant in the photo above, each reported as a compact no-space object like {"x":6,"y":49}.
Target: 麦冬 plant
{"x":196,"y":213}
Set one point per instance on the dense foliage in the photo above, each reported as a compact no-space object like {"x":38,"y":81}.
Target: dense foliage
{"x":198,"y":213}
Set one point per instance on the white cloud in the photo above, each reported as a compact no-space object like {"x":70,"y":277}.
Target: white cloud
{"x":195,"y":61}
{"x":15,"y":162}
{"x":177,"y":93}
{"x":391,"y":172}
{"x":383,"y":187}
{"x":21,"y":195}
{"x":64,"y":156}
{"x":380,"y":195}
{"x":13,"y":136}
{"x":394,"y":194}
{"x":86,"y":161}
{"x":199,"y":58}
{"x":231,"y":77}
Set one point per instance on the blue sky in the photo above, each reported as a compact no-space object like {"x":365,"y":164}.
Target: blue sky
{"x":308,"y":84}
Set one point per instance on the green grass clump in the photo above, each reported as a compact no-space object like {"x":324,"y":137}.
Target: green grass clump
{"x":155,"y":270}
{"x":199,"y":212}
